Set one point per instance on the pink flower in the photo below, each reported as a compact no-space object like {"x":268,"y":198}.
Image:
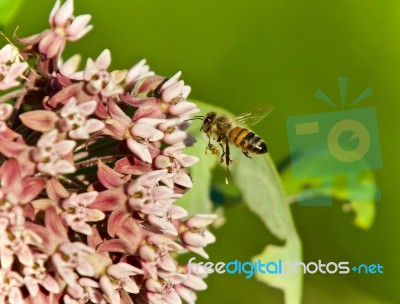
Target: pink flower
{"x":5,"y":112}
{"x":16,"y":192}
{"x":173,"y":91}
{"x":196,"y":236}
{"x":64,"y":27}
{"x":10,"y":291}
{"x":84,"y":291}
{"x":72,"y":258}
{"x":75,"y":121}
{"x":70,"y":67}
{"x":161,"y":292}
{"x":118,"y":279}
{"x":77,"y":213}
{"x":99,"y":80}
{"x":161,"y":214}
{"x":38,"y":274}
{"x":192,"y":283}
{"x":146,"y":191}
{"x":139,"y":135}
{"x":183,"y":109}
{"x":16,"y":241}
{"x":10,"y":68}
{"x":49,"y":154}
{"x":137,"y":72}
{"x":176,"y":163}
{"x":156,"y":249}
{"x":143,"y":132}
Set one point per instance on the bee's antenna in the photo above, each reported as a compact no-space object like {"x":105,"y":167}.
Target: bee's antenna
{"x":195,"y":118}
{"x":198,"y":117}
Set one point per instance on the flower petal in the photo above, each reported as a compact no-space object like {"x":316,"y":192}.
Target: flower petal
{"x":139,"y":150}
{"x":94,"y":215}
{"x":39,"y":120}
{"x":104,"y":60}
{"x":78,"y":24}
{"x":111,"y":293}
{"x":172,"y":91}
{"x":64,"y":13}
{"x":63,"y":166}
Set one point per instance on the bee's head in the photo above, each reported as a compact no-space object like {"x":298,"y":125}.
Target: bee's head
{"x":208,"y":121}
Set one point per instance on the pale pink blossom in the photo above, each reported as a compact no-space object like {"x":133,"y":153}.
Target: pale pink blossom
{"x":139,"y":135}
{"x":77,"y":212}
{"x":5,"y":112}
{"x":38,"y":274}
{"x":137,"y":72}
{"x":69,"y":68}
{"x":161,"y":292}
{"x":118,"y":279}
{"x":71,"y":258}
{"x":49,"y":154}
{"x":75,"y":119}
{"x":155,"y":245}
{"x":16,"y":241}
{"x":193,"y":282}
{"x":99,"y":80}
{"x":10,"y":288}
{"x":15,"y":192}
{"x":145,"y":190}
{"x":10,"y":68}
{"x":186,"y":294}
{"x":143,"y":133}
{"x":16,"y":189}
{"x":183,"y":110}
{"x":64,"y":27}
{"x":84,"y":291}
{"x":14,"y":214}
{"x":196,"y":236}
{"x":174,"y":90}
{"x":176,"y":163}
{"x":161,"y":213}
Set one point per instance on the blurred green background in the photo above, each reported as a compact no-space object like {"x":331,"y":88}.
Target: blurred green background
{"x":240,"y":54}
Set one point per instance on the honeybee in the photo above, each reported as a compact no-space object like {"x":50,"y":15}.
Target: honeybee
{"x":227,"y":130}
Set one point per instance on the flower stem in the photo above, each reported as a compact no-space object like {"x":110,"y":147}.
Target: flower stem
{"x":105,"y":159}
{"x":13,"y":94}
{"x":68,"y":181}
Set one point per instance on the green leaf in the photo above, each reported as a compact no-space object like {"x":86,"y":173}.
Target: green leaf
{"x":260,"y":186}
{"x":262,"y":190}
{"x":289,"y":283}
{"x":359,"y":194}
{"x":8,"y":9}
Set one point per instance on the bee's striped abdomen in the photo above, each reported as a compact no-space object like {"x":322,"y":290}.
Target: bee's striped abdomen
{"x":247,"y":140}
{"x":237,"y":134}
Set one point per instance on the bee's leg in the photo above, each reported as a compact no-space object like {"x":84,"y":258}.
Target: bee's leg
{"x":221,"y":159}
{"x":219,"y":140}
{"x":209,"y":146}
{"x":246,"y":153}
{"x":227,"y":162}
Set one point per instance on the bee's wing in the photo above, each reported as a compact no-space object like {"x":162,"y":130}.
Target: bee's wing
{"x":253,"y":116}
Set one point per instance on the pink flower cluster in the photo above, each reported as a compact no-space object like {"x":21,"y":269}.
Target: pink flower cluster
{"x":92,"y":166}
